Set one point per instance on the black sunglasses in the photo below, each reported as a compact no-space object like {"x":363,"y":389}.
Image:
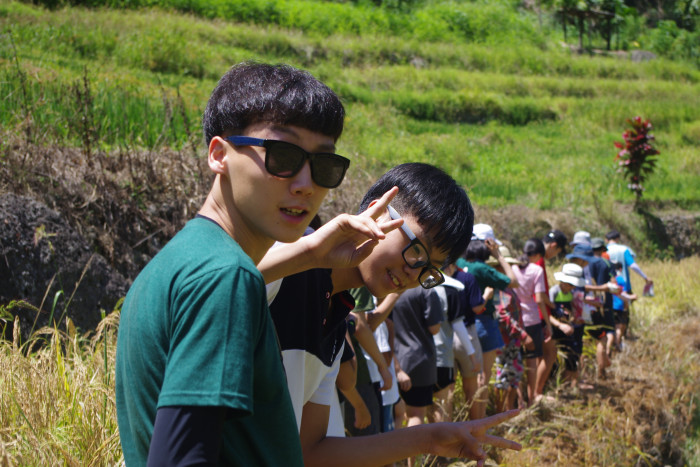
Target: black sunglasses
{"x":283,"y":159}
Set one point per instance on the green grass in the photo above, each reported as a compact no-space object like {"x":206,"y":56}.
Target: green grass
{"x":525,"y":122}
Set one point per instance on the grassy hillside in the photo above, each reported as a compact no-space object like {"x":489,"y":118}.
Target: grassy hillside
{"x":516,"y":118}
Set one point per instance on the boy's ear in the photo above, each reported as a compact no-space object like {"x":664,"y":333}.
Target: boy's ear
{"x":217,"y":155}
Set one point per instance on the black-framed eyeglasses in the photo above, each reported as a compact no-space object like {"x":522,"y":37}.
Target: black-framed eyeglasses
{"x":283,"y":159}
{"x":416,"y":257}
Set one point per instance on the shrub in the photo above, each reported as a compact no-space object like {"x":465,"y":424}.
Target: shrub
{"x":635,"y":157}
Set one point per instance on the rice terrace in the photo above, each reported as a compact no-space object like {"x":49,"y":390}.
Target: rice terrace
{"x":529,"y":105}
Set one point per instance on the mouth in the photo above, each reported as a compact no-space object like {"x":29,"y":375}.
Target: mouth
{"x":294,"y":212}
{"x":395,"y":280}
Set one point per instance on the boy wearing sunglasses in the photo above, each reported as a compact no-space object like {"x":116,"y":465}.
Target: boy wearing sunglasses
{"x":199,"y":379}
{"x":309,"y":309}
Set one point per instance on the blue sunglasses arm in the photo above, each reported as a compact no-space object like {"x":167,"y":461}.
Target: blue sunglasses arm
{"x":245,"y":141}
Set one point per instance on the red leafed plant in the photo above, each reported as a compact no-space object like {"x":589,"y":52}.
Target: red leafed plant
{"x":635,"y":158}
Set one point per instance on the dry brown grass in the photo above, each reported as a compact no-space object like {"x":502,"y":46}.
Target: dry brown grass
{"x":58,"y":404}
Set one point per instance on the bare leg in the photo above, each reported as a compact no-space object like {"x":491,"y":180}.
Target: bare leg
{"x":519,"y":393}
{"x":544,"y":366}
{"x":602,"y":358}
{"x":441,"y":410}
{"x":511,"y":398}
{"x":470,"y":386}
{"x":531,"y":372}
{"x":610,"y":340}
{"x":488,"y":358}
{"x":501,"y":399}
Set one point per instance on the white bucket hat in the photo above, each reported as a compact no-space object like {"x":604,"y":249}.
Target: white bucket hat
{"x":571,"y":274}
{"x":581,"y":237}
{"x":484,"y":231}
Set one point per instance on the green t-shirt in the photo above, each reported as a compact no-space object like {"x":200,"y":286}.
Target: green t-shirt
{"x":195,"y":330}
{"x":486,"y":276}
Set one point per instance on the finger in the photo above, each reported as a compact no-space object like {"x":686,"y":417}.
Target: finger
{"x":363,"y":225}
{"x":378,"y":207}
{"x":502,"y":443}
{"x":494,"y":420}
{"x":390,"y":225}
{"x":348,"y":223}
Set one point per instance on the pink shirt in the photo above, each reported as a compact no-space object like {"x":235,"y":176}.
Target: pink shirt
{"x":530,"y":281}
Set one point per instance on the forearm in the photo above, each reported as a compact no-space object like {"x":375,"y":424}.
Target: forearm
{"x":364,"y":336}
{"x":548,"y":302}
{"x":539,"y":299}
{"x":554,"y":322}
{"x":383,"y":310}
{"x":508,"y":270}
{"x":596,"y":288}
{"x":462,"y":334}
{"x":347,"y":375}
{"x":286,"y":260}
{"x":375,"y":450}
{"x":635,"y":267}
{"x":353,"y":397}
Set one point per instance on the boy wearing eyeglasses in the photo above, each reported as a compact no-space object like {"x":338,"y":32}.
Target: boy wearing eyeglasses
{"x":436,"y":226}
{"x":199,"y":379}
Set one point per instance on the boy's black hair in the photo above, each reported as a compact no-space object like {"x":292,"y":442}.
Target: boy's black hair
{"x":477,"y":251}
{"x":434,"y":199}
{"x":253,"y":92}
{"x":533,"y":246}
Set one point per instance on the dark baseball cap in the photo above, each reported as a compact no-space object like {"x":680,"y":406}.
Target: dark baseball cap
{"x":613,"y":234}
{"x":598,"y":244}
{"x":558,"y":237}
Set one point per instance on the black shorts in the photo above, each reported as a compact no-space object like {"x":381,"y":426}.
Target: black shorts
{"x":622,"y":317}
{"x":600,"y":326}
{"x":445,"y":377}
{"x":609,"y":320}
{"x":567,"y":346}
{"x":372,"y":396}
{"x":418,"y":396}
{"x":537,"y":335}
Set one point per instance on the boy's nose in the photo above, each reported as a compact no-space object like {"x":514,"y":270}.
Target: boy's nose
{"x":302,"y":182}
{"x":413,"y":275}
